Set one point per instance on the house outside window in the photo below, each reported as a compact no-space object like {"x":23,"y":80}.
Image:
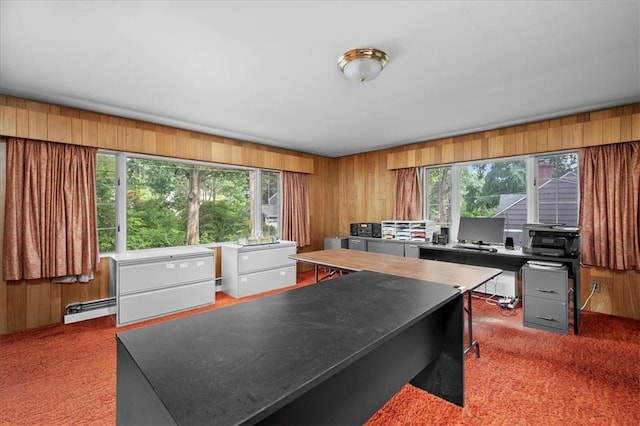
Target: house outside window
{"x":270,"y":208}
{"x":557,"y":185}
{"x":504,"y":189}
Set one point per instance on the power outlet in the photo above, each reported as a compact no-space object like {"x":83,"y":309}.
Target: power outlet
{"x":595,"y":286}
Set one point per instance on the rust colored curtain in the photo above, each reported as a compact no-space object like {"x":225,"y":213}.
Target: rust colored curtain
{"x":295,"y":208}
{"x":610,"y":206}
{"x":50,"y":211}
{"x":408,"y":204}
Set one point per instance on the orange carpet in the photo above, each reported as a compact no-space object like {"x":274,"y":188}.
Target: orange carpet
{"x":66,"y":375}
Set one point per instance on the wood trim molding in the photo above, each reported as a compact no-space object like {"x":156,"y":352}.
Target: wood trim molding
{"x":40,"y":121}
{"x":613,"y":125}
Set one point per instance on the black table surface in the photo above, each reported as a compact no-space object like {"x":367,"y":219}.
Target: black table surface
{"x":240,"y":363}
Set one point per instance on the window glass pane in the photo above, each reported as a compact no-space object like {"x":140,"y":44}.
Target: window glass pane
{"x":270,"y":208}
{"x":226,"y":205}
{"x":173,"y":203}
{"x":439,"y":195}
{"x":557,"y":186}
{"x":106,"y":201}
{"x":496,"y":189}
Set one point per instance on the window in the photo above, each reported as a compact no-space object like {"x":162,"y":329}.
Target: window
{"x":557,"y":186}
{"x":168,"y":203}
{"x":270,"y":209}
{"x":496,"y":189}
{"x":106,"y":201}
{"x":438,"y":199}
{"x":521,"y":190}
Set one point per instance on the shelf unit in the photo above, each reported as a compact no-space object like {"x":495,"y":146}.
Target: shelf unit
{"x":408,"y":230}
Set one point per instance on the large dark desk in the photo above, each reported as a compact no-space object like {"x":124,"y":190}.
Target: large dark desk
{"x":321,"y":354}
{"x":508,"y":260}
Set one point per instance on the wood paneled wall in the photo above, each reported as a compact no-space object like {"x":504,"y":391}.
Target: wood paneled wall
{"x":365,"y":191}
{"x":40,"y":121}
{"x":356,"y":188}
{"x":619,"y":292}
{"x":603,"y":127}
{"x":36,"y":303}
{"x":323,"y":204}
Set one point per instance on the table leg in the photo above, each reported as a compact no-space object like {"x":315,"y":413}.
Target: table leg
{"x":576,"y":298}
{"x":315,"y":268}
{"x":472,"y":342}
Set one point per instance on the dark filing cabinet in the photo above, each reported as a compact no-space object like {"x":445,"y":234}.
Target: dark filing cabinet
{"x":546,"y":298}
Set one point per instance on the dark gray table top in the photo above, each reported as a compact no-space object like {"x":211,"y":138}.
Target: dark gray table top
{"x":240,"y":363}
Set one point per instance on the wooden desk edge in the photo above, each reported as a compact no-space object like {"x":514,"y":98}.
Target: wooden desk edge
{"x":304,"y":258}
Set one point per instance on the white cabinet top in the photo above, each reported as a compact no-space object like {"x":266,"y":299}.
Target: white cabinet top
{"x":163,"y":253}
{"x":256,"y":247}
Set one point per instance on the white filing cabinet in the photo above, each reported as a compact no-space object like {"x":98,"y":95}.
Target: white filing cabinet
{"x":151,"y":283}
{"x":546,"y":298}
{"x":253,"y":269}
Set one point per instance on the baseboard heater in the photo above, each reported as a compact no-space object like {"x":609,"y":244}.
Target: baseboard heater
{"x":80,"y":311}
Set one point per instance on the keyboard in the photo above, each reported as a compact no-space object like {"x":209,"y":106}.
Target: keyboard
{"x":476,"y":247}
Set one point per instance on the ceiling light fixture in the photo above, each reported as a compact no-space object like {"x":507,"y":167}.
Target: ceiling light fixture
{"x":362,"y":64}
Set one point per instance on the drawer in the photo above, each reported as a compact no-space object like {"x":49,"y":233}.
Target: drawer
{"x":265,"y":281}
{"x":386,"y":247}
{"x":357,"y":244}
{"x":546,"y":314}
{"x":412,"y":250}
{"x":146,"y":276}
{"x":545,"y":283}
{"x":141,"y":306}
{"x":257,"y":260}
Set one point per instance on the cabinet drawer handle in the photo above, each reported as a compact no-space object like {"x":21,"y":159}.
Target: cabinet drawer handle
{"x":544,"y":290}
{"x":544,"y":318}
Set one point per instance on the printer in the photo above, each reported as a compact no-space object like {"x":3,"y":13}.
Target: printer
{"x":554,"y":240}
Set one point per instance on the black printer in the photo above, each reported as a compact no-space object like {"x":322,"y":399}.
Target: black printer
{"x":552,"y":240}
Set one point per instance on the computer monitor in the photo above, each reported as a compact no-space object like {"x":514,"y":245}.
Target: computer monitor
{"x":481,"y":230}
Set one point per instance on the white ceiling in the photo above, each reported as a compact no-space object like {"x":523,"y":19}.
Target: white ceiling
{"x":266,"y":72}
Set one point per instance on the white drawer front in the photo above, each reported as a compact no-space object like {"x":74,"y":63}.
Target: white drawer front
{"x":257,"y":260}
{"x":145,"y":276}
{"x":265,"y":281}
{"x":140,"y":306}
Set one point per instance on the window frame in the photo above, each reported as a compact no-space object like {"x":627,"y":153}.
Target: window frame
{"x":531,"y":162}
{"x":121,"y":194}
